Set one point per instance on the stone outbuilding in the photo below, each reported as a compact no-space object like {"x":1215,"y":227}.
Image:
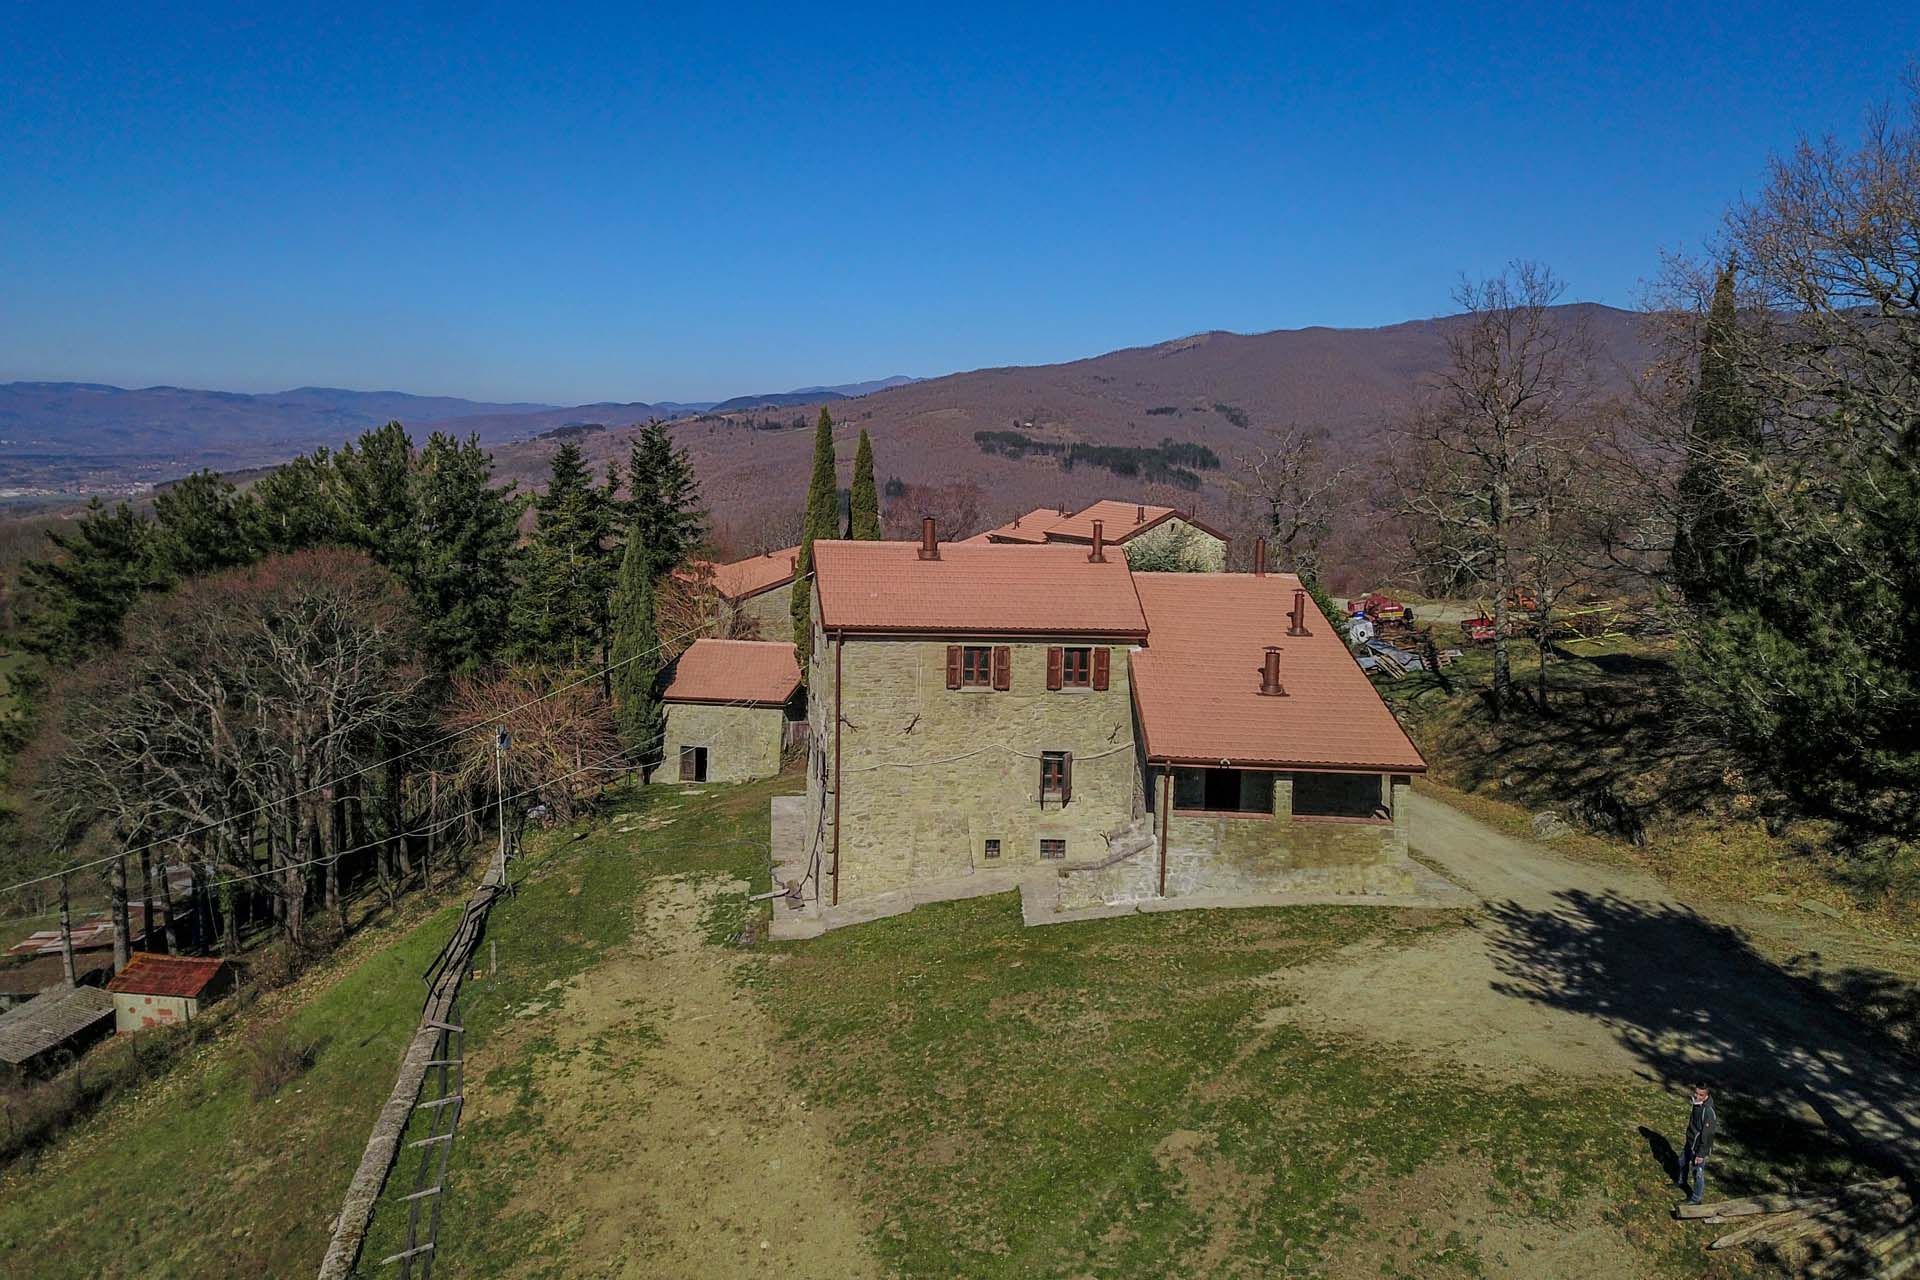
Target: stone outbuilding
{"x":758,"y":590}
{"x":163,"y":991}
{"x":1162,"y":537}
{"x":729,"y":707}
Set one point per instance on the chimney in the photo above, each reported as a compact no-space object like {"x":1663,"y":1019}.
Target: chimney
{"x":1099,"y":552}
{"x":1260,"y":557}
{"x":1139,"y":513}
{"x":929,"y":546}
{"x":1297,"y":620}
{"x":1270,"y":685}
{"x":1064,"y":511}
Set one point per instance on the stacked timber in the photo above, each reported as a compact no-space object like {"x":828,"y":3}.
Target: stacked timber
{"x":1864,"y":1229}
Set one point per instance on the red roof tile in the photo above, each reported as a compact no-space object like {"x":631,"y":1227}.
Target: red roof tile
{"x":148,"y":974}
{"x":1119,"y":521}
{"x":739,"y":579}
{"x":758,"y":672}
{"x":974,"y":590}
{"x":1197,"y":683}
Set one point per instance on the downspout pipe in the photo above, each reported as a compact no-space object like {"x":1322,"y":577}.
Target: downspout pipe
{"x":839,"y":645}
{"x":1166,"y":807}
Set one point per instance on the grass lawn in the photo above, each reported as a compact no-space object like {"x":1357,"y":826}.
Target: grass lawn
{"x":190,"y":1175}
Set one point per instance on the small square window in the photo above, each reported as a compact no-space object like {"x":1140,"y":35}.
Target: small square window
{"x":1053,"y":848}
{"x":1076,"y":668}
{"x":976,"y":666}
{"x":993,"y":849}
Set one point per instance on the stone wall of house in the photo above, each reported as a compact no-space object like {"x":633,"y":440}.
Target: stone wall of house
{"x":1278,"y":853}
{"x":930,"y":774}
{"x":1196,"y":550}
{"x":771,"y":612}
{"x":742,"y":742}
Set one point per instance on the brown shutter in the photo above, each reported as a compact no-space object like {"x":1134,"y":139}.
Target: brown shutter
{"x":1102,"y":656}
{"x":953,"y":666}
{"x":1002,"y":667}
{"x":1066,"y":778}
{"x":686,"y":764}
{"x":1056,"y":656}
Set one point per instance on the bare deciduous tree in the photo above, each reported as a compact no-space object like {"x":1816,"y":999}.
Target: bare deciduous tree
{"x":1293,"y":482}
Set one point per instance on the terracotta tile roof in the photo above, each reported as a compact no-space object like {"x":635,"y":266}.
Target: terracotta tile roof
{"x":49,"y":1021}
{"x":739,"y":579}
{"x":149,"y":974}
{"x":974,"y":590}
{"x":1031,"y":527}
{"x":1119,"y":522}
{"x":1197,"y":682}
{"x":760,"y":672}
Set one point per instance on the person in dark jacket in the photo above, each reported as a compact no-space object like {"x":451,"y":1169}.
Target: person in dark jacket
{"x":1701,"y":1126}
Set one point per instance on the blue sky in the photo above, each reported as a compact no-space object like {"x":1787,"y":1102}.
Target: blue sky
{"x":574,"y":204}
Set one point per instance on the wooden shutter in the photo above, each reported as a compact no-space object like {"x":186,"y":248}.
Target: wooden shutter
{"x":1102,"y":658}
{"x":953,"y":666}
{"x":1066,"y":777}
{"x":1056,"y":657}
{"x":686,"y":764}
{"x":1002,"y":667}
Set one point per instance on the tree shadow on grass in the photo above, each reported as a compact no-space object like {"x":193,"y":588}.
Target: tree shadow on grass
{"x":1806,"y":1097}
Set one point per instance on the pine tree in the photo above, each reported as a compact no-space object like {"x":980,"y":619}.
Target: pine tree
{"x":663,"y":500}
{"x":560,"y":601}
{"x":863,"y":507}
{"x":373,"y":483}
{"x":463,"y":554}
{"x":82,"y":593}
{"x":1713,"y":537}
{"x":299,"y":504}
{"x":204,"y":525}
{"x":636,"y":655}
{"x":823,"y":506}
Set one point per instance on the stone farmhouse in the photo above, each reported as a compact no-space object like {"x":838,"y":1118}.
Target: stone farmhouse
{"x":728,"y":707}
{"x":1039,"y":712}
{"x":761,"y":588}
{"x":1149,"y":532}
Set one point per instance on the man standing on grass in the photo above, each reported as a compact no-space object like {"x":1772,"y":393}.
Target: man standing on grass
{"x":1701,"y":1126}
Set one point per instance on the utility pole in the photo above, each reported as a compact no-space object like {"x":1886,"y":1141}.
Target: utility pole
{"x":501,"y":742}
{"x":66,"y":937}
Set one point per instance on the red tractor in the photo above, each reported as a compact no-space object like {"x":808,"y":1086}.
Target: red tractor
{"x":1380,"y":608}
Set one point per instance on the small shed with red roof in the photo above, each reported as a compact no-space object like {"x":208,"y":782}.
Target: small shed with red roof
{"x":728,"y":707}
{"x":162,"y":991}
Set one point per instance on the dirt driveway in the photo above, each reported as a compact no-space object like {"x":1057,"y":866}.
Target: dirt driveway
{"x":1575,"y":969}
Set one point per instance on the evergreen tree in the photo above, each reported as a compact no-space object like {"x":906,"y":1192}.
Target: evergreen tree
{"x":863,"y":507}
{"x":663,"y":501}
{"x":1713,"y":546}
{"x":373,"y":483}
{"x":568,"y":570}
{"x":204,"y":525}
{"x":636,"y":655}
{"x":81,"y":594}
{"x":299,"y":504}
{"x":462,"y":552}
{"x":823,"y":506}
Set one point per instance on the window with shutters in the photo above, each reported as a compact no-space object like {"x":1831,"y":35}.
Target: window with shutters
{"x":1076,"y":668}
{"x":976,"y":666}
{"x":1053,"y":848}
{"x":1056,"y":775}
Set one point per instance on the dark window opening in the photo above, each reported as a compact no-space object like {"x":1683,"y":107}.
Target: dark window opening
{"x":976,"y":666}
{"x":693,"y":764}
{"x":993,"y":848}
{"x":1223,"y":790}
{"x":1056,"y":775}
{"x":1053,"y":848}
{"x":1338,"y":795}
{"x":1076,"y":668}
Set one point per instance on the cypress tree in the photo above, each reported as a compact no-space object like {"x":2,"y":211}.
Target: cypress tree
{"x":823,"y":509}
{"x":1713,"y":545}
{"x":636,"y":655}
{"x":863,"y":507}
